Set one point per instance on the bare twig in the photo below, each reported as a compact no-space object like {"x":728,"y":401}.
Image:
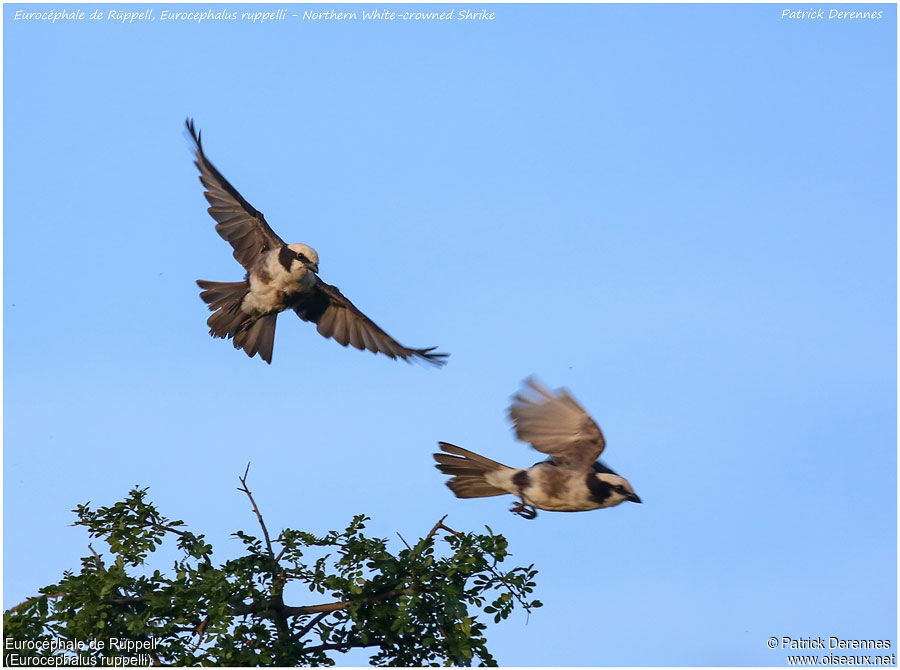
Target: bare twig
{"x":440,"y":526}
{"x":404,"y":541}
{"x":100,"y":567}
{"x":262,"y":523}
{"x":436,"y":527}
{"x":450,"y":530}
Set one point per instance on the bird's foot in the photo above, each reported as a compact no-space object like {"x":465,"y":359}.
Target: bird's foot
{"x":523,"y":510}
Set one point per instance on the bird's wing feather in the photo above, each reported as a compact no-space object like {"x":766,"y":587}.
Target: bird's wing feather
{"x":336,"y":317}
{"x":557,"y":425}
{"x":237,"y":221}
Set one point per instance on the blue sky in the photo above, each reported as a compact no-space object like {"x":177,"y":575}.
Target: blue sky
{"x":686,"y":214}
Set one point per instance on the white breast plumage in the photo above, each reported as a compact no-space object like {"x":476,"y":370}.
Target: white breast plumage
{"x":271,"y":282}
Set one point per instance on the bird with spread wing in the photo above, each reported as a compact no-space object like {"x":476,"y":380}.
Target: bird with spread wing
{"x":570,"y":480}
{"x":278,"y":277}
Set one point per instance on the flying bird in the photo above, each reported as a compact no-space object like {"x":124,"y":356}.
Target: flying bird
{"x":570,"y":480}
{"x":279,"y":277}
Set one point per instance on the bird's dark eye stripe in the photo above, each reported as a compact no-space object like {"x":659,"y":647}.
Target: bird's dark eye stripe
{"x":303,"y":258}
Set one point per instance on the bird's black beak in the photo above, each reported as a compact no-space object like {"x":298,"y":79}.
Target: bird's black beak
{"x":314,"y":267}
{"x":633,"y":497}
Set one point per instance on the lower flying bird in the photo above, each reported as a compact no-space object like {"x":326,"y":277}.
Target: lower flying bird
{"x":571,"y":480}
{"x":279,"y":277}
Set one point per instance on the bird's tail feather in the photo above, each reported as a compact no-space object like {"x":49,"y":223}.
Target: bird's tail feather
{"x":218,"y":294}
{"x":253,"y":334}
{"x":468,"y":470}
{"x":258,"y":337}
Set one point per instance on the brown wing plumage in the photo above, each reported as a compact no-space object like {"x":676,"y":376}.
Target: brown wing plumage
{"x":557,"y":425}
{"x":237,"y":221}
{"x":336,"y":317}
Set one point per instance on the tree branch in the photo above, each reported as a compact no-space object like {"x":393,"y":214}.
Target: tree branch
{"x":201,"y":631}
{"x":440,"y":526}
{"x":125,"y":600}
{"x":121,"y":600}
{"x":338,"y":647}
{"x":509,"y":588}
{"x":436,"y":527}
{"x":100,"y":567}
{"x":344,"y":604}
{"x":312,"y":624}
{"x":31,"y":600}
{"x":262,"y":523}
{"x":257,"y":606}
{"x":169,"y":529}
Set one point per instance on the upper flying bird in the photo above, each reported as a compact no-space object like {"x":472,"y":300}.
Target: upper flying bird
{"x":571,"y":480}
{"x":279,"y":276}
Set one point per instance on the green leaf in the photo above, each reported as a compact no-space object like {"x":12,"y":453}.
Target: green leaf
{"x":412,"y":606}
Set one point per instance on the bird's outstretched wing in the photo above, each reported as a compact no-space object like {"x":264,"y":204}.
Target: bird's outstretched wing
{"x":237,"y":221}
{"x":556,"y":425}
{"x":336,"y":317}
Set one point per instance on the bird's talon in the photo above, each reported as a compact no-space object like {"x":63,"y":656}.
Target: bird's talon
{"x":523,"y":510}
